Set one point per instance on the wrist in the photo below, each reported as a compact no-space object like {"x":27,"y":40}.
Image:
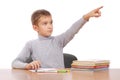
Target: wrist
{"x":86,"y":17}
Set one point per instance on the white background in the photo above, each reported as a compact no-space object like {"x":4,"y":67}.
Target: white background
{"x":98,"y":39}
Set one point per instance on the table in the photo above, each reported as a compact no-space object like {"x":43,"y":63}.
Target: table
{"x":15,"y":74}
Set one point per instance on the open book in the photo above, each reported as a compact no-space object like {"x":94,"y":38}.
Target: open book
{"x":50,"y":70}
{"x":45,"y":70}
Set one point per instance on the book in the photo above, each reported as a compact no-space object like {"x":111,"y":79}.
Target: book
{"x":90,"y":65}
{"x":90,"y":62}
{"x":85,"y":69}
{"x":50,"y":70}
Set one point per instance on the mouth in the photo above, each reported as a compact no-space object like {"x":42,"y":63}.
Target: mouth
{"x":50,"y":31}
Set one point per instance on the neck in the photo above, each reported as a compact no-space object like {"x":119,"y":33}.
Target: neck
{"x":44,"y":37}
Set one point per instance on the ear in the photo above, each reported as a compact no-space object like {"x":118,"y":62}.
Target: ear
{"x":35,"y":28}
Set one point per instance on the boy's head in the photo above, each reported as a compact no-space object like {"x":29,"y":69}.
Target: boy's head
{"x":42,"y":22}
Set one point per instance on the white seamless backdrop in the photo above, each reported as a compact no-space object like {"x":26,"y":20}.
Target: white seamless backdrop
{"x":98,"y":39}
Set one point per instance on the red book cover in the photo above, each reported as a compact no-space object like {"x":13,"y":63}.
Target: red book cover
{"x":90,"y":67}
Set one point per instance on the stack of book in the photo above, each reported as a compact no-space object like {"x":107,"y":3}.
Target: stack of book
{"x":94,"y":65}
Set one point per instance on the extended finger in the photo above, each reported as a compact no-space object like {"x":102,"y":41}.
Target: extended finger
{"x":99,"y":8}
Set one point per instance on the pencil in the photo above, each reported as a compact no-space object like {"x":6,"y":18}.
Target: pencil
{"x":63,"y":71}
{"x":35,"y":70}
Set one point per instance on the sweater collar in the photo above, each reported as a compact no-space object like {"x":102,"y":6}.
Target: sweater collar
{"x":43,"y":37}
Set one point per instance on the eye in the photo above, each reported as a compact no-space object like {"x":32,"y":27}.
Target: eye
{"x":51,"y":22}
{"x":45,"y":23}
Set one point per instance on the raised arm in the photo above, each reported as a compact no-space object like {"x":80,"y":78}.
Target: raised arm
{"x":64,"y":38}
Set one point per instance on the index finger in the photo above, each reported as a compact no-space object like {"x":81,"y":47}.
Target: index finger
{"x":99,"y":8}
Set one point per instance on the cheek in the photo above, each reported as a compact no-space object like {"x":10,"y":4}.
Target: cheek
{"x":42,"y":29}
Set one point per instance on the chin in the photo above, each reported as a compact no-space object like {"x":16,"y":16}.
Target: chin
{"x":48,"y":35}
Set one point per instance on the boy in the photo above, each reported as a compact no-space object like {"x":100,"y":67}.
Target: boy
{"x":47,"y":51}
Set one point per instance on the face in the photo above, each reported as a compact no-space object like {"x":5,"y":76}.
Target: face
{"x":45,"y":26}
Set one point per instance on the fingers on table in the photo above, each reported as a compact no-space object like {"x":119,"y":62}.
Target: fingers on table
{"x":35,"y":64}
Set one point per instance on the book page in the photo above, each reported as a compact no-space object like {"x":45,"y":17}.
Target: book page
{"x":45,"y":70}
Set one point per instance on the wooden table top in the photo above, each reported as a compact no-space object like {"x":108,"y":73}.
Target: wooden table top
{"x":15,"y":74}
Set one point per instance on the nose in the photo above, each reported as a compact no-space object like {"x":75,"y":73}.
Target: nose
{"x":50,"y":26}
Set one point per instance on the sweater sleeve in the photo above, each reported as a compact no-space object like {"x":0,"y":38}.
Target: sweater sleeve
{"x":23,"y":58}
{"x":65,"y":37}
